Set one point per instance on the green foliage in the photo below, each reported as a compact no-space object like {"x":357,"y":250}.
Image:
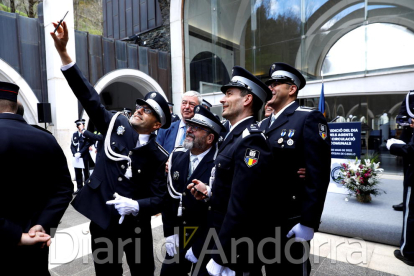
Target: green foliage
{"x":7,"y":9}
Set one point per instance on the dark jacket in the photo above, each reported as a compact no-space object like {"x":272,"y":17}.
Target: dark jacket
{"x":303,"y":199}
{"x":194,"y":212}
{"x":148,"y":182}
{"x":30,"y":196}
{"x":240,"y":194}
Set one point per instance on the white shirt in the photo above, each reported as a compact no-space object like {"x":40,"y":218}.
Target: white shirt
{"x":200,"y":156}
{"x":180,"y":133}
{"x":142,"y":140}
{"x":236,"y":124}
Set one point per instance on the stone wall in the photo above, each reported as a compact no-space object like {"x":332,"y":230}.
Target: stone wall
{"x":159,"y":38}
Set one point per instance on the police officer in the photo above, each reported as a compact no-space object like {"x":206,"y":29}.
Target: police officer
{"x":132,"y":170}
{"x":80,"y":149}
{"x":31,"y":205}
{"x":299,"y":138}
{"x":174,"y":117}
{"x":400,"y":148}
{"x":238,"y":204}
{"x":206,"y":104}
{"x":192,"y":161}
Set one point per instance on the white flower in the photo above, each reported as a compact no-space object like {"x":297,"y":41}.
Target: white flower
{"x":371,"y":180}
{"x":367,"y":162}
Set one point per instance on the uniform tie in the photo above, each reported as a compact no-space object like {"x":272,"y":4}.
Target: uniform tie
{"x":272,"y":120}
{"x":193,"y":165}
{"x":184,"y":128}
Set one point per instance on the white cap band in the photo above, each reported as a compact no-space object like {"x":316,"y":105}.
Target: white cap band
{"x":157,"y":109}
{"x":287,"y":74}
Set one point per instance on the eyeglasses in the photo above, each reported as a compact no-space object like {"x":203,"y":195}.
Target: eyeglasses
{"x":275,"y":83}
{"x":196,"y":128}
{"x":146,"y":109}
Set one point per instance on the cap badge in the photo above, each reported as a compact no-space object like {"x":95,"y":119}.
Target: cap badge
{"x":153,"y":95}
{"x":197,"y":109}
{"x":120,"y":130}
{"x":251,"y":157}
{"x":273,"y":66}
{"x":176,"y":175}
{"x":280,"y":141}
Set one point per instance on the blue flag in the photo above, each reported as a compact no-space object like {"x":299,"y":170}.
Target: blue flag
{"x":322,"y":102}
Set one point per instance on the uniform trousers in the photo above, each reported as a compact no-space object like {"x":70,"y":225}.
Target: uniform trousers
{"x":109,"y":245}
{"x":25,"y":260}
{"x":180,"y":267}
{"x":407,"y":237}
{"x":78,"y":174}
{"x":294,"y":256}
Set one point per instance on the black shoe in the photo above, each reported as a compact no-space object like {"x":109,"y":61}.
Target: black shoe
{"x":399,"y":256}
{"x":398,"y":207}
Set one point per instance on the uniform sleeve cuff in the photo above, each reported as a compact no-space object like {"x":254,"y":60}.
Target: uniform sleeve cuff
{"x":67,"y":66}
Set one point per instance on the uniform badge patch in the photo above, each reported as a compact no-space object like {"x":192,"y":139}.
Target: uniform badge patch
{"x":176,"y":175}
{"x":251,"y":157}
{"x":197,"y":109}
{"x":291,"y":133}
{"x":153,"y":95}
{"x":120,"y":130}
{"x":283,"y":133}
{"x":322,"y":131}
{"x":290,"y":142}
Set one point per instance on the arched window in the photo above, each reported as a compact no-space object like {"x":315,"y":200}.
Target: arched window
{"x":370,"y":48}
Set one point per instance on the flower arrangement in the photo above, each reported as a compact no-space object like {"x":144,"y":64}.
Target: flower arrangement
{"x":361,"y":178}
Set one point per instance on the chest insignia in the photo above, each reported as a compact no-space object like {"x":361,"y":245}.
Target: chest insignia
{"x":120,"y":130}
{"x":290,"y":142}
{"x":283,"y":133}
{"x":291,"y":133}
{"x":280,"y":141}
{"x":176,"y":175}
{"x":251,"y":157}
{"x":322,"y":131}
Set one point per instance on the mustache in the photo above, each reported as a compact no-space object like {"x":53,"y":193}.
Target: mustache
{"x":190,"y":135}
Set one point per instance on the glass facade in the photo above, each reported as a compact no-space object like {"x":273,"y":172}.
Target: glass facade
{"x":333,"y":38}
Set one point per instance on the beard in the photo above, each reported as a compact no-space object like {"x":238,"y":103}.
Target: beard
{"x":194,"y":143}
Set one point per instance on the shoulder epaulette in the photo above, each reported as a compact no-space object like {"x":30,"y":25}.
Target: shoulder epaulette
{"x":254,"y":128}
{"x":162,"y":149}
{"x":306,"y":108}
{"x":41,"y":128}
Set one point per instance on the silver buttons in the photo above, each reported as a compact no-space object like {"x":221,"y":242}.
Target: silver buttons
{"x":130,"y":153}
{"x":219,"y":165}
{"x":122,"y":166}
{"x":209,"y":208}
{"x":183,"y":208}
{"x":119,"y":178}
{"x":113,"y":143}
{"x":294,"y":197}
{"x":283,"y":146}
{"x":89,"y":181}
{"x":184,"y":194}
{"x":139,"y":171}
{"x":186,"y":234}
{"x":184,"y":222}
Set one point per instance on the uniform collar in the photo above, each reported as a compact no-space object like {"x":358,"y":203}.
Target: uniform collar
{"x":12,"y":116}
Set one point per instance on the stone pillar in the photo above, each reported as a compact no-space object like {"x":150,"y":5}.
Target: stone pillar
{"x":64,"y":104}
{"x":177,"y":66}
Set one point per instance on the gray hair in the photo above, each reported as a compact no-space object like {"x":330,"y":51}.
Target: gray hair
{"x":192,"y":93}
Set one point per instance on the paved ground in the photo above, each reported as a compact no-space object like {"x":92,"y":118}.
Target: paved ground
{"x":330,"y":255}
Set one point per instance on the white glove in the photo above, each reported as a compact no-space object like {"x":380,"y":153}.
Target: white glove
{"x":77,"y":155}
{"x":228,"y":272}
{"x":171,"y":244}
{"x":301,"y":232}
{"x":124,"y":206}
{"x":392,"y":141}
{"x":190,"y":256}
{"x":214,"y":268}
